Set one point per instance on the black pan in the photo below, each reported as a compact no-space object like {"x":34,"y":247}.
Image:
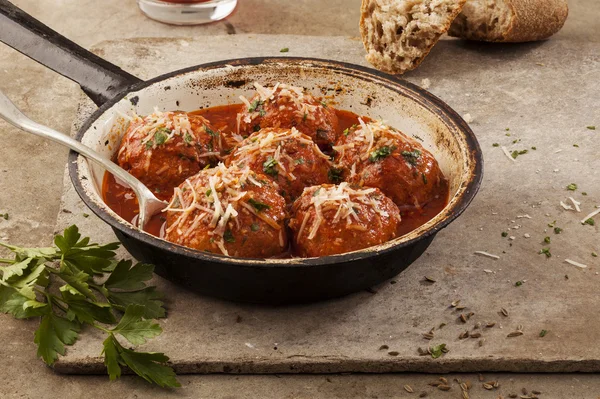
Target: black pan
{"x":272,"y":281}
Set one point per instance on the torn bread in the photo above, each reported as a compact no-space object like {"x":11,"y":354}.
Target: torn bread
{"x":509,"y":20}
{"x":398,"y":34}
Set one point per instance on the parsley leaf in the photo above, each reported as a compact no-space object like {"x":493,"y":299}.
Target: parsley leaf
{"x":52,"y":335}
{"x":150,"y":366}
{"x":228,"y":236}
{"x":411,"y":156}
{"x":254,"y":227}
{"x":24,"y":283}
{"x":284,"y":50}
{"x":134,"y":328}
{"x":438,"y":350}
{"x":381,"y":153}
{"x":161,"y":136}
{"x":270,"y":166}
{"x":335,"y":175}
{"x":572,"y":187}
{"x":259,"y":206}
{"x":255,"y":105}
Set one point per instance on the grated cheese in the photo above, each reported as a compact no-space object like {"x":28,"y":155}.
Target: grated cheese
{"x":487,"y":254}
{"x":591,"y":215}
{"x":572,"y":262}
{"x":215,"y":203}
{"x":345,"y":200}
{"x":565,"y":206}
{"x":575,"y":204}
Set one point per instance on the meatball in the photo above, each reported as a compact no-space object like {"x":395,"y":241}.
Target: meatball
{"x":333,"y":219}
{"x":165,"y":148}
{"x":286,"y":156}
{"x":230,"y":211}
{"x":375,"y":155}
{"x":285,"y":106}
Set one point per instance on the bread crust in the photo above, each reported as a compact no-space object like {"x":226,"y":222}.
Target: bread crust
{"x":530,"y":20}
{"x":377,"y":59}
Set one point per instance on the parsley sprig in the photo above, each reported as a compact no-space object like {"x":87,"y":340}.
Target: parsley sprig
{"x":94,"y":289}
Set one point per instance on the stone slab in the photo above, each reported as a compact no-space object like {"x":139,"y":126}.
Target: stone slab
{"x":546,"y":102}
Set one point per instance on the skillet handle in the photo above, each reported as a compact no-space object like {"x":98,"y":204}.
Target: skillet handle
{"x":98,"y":78}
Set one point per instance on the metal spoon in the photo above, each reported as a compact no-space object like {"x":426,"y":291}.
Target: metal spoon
{"x":148,"y":203}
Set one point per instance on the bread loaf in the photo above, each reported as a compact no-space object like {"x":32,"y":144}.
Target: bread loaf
{"x":398,"y":34}
{"x":509,"y":20}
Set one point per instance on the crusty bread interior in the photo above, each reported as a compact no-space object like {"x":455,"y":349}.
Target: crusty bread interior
{"x":398,"y":34}
{"x":483,"y":19}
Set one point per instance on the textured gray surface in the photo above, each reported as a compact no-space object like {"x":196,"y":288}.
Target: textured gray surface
{"x":524,"y":94}
{"x":30,"y":191}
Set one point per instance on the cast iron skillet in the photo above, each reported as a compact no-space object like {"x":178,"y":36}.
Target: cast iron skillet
{"x":271,"y":281}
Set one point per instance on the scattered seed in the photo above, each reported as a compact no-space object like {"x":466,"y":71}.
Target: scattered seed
{"x":429,"y":279}
{"x":408,"y":389}
{"x":536,"y":392}
{"x":464,"y":335}
{"x":463,"y":318}
{"x":504,"y":312}
{"x":481,"y":377}
{"x":444,"y":387}
{"x":470,"y":314}
{"x":465,"y":395}
{"x":428,"y":336}
{"x":455,"y":303}
{"x":515,"y":334}
{"x":464,"y":387}
{"x":520,"y":327}
{"x":512,"y":395}
{"x":477,"y":325}
{"x":444,"y":380}
{"x":490,"y":325}
{"x":460,"y":307}
{"x":481,"y":341}
{"x":500,"y":396}
{"x":441,"y":326}
{"x":525,"y":397}
{"x":525,"y":392}
{"x":476,"y":335}
{"x":487,"y":386}
{"x":393,"y":353}
{"x":435,"y":384}
{"x":423,"y":395}
{"x":422,"y":352}
{"x":382,"y":347}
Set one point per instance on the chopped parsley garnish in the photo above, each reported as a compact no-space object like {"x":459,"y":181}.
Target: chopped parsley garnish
{"x":516,"y":153}
{"x":381,"y":153}
{"x":552,"y":224}
{"x":270,"y":166}
{"x":316,"y":192}
{"x":161,"y":136}
{"x":595,"y":255}
{"x":256,"y":128}
{"x":547,"y":240}
{"x":4,"y":216}
{"x":545,"y":251}
{"x":411,"y":156}
{"x":591,"y":127}
{"x":589,"y":221}
{"x":534,"y":148}
{"x":424,"y":178}
{"x":299,"y":161}
{"x":543,"y":333}
{"x":188,"y":138}
{"x":576,"y":145}
{"x":259,"y":206}
{"x":516,"y":141}
{"x":504,"y":234}
{"x":495,"y":145}
{"x":284,"y":50}
{"x":583,"y":193}
{"x":149,"y":144}
{"x":210,"y":131}
{"x":304,"y":117}
{"x":228,"y":236}
{"x":323,"y":103}
{"x":507,"y":129}
{"x":209,"y":192}
{"x":519,"y":283}
{"x":346,"y":131}
{"x":255,"y":105}
{"x":254,"y":227}
{"x":335,"y":175}
{"x":572,"y":187}
{"x":557,"y":230}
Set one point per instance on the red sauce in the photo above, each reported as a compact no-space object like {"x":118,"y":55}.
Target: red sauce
{"x":123,"y":202}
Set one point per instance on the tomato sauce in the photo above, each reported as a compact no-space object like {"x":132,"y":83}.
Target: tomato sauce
{"x":124,"y":203}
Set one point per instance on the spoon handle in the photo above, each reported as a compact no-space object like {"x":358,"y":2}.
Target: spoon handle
{"x":10,"y":113}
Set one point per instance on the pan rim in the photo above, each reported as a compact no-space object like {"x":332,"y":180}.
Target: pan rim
{"x":470,"y":185}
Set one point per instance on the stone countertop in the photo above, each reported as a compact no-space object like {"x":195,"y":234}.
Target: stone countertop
{"x":53,"y":100}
